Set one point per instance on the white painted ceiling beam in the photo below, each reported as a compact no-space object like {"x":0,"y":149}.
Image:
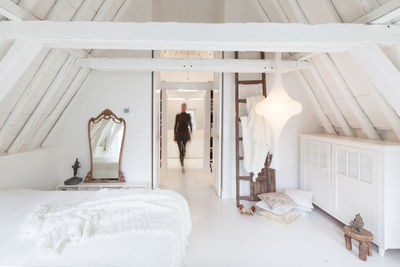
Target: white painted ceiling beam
{"x":316,"y":105}
{"x":344,"y":90}
{"x":382,"y":15}
{"x":381,"y":71}
{"x":331,"y":102}
{"x":13,"y":65}
{"x":199,"y":65}
{"x":277,"y":37}
{"x":33,"y":119}
{"x":12,"y":11}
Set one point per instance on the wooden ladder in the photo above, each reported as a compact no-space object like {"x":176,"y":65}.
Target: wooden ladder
{"x":265,"y":181}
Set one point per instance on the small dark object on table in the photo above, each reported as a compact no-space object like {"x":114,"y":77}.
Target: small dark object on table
{"x":357,"y":224}
{"x":74,"y":180}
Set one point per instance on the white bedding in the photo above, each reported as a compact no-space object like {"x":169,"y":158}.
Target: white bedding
{"x":122,"y":249}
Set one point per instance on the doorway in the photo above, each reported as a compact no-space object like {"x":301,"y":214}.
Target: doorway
{"x":201,"y":91}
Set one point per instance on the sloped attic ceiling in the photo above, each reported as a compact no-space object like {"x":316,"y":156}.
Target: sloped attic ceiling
{"x":349,"y":96}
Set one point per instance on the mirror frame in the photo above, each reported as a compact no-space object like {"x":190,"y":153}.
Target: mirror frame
{"x":106,"y":115}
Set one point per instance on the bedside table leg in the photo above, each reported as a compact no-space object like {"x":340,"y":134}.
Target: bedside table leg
{"x":363,"y":251}
{"x":370,"y":249}
{"x":348,"y":242}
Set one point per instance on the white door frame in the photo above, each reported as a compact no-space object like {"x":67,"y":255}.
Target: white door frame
{"x":156,"y":136}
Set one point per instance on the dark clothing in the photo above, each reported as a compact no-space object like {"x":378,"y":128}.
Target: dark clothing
{"x":183,"y":122}
{"x":182,"y":149}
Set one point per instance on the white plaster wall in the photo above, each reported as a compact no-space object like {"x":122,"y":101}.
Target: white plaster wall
{"x":38,"y":169}
{"x":113,"y":90}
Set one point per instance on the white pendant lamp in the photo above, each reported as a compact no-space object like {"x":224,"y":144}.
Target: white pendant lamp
{"x":277,"y":109}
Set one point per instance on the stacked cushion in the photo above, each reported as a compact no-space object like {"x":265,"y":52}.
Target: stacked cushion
{"x":283,"y":206}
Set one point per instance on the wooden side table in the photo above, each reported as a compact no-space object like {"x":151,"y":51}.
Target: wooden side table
{"x":365,"y":238}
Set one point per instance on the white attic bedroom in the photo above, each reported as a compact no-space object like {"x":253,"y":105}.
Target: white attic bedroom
{"x":208,"y":133}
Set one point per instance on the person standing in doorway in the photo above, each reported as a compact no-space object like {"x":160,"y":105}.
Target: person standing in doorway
{"x":183,"y":122}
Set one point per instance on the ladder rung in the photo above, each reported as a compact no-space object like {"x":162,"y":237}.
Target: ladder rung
{"x":250,"y":81}
{"x":245,"y":198}
{"x":247,"y":178}
{"x":242,"y":101}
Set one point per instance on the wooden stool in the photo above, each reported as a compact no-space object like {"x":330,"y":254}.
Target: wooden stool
{"x":365,"y":238}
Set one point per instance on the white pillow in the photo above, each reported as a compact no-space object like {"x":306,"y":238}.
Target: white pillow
{"x":302,"y":198}
{"x":278,"y":210}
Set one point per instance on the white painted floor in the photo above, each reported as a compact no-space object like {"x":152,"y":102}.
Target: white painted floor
{"x":223,"y":237}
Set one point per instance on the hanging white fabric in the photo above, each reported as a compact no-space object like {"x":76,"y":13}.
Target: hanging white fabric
{"x":256,"y":137}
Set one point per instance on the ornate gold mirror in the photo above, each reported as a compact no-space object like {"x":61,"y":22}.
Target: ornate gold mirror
{"x":106,"y":141}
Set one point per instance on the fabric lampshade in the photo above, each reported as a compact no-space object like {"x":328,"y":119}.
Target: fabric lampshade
{"x":277,"y":109}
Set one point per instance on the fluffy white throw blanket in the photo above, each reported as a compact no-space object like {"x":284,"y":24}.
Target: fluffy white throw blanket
{"x":256,"y":138}
{"x":110,"y":213}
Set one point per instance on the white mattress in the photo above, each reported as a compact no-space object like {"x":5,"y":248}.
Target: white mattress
{"x":123,"y":250}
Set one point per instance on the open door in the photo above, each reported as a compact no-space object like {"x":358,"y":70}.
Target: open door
{"x":216,"y":131}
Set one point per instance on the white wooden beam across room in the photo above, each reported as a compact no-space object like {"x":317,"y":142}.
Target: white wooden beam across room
{"x":200,"y":65}
{"x":316,"y":105}
{"x":13,"y":65}
{"x":383,"y":14}
{"x":350,"y":100}
{"x":331,"y":102}
{"x":12,"y":11}
{"x":277,"y":37}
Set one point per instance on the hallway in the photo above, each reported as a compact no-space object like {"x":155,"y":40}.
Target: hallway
{"x":223,"y":237}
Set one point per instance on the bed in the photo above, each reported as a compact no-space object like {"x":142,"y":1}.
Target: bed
{"x":155,"y":248}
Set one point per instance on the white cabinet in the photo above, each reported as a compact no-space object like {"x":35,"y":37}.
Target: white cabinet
{"x":350,"y":176}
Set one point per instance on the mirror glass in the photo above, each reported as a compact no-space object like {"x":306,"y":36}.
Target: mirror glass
{"x":106,"y":137}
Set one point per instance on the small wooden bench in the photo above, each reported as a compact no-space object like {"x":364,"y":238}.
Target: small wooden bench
{"x":365,"y":238}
